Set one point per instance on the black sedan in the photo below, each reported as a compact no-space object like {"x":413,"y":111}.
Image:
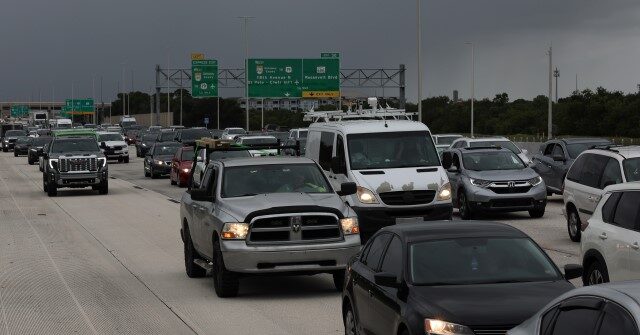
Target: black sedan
{"x":157,"y":162}
{"x":36,"y":148}
{"x":21,"y":146}
{"x":449,"y":278}
{"x":144,"y":144}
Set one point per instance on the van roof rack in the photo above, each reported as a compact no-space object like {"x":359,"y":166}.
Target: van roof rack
{"x":495,"y":147}
{"x":377,"y":112}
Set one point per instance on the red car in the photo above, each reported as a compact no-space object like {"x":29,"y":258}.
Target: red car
{"x":181,"y":166}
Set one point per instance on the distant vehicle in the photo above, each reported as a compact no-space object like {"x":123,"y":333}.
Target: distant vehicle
{"x":43,"y":132}
{"x":157,"y":161}
{"x":590,"y":173}
{"x":40,"y":118}
{"x":503,"y":142}
{"x":144,"y":144}
{"x":449,"y":278}
{"x":113,"y":146}
{"x":556,"y":156}
{"x":216,"y":133}
{"x":445,"y":139}
{"x":258,"y":141}
{"x":127,"y":121}
{"x":74,"y":162}
{"x":174,"y":128}
{"x":610,"y":239}
{"x":393,"y":162}
{"x":21,"y":146}
{"x":166,"y":136}
{"x":62,"y":123}
{"x":181,"y":166}
{"x":493,"y":179}
{"x":293,"y":142}
{"x":298,"y":133}
{"x":266,"y":216}
{"x":90,"y":125}
{"x":206,"y":156}
{"x":9,"y":138}
{"x":36,"y":149}
{"x":131,"y":136}
{"x":607,"y":309}
{"x":188,"y":137}
{"x":154,"y":129}
{"x":231,"y":133}
{"x":270,"y":127}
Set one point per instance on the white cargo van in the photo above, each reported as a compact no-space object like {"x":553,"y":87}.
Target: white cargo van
{"x":394,"y":164}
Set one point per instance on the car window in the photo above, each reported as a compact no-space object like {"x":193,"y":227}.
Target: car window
{"x":340,"y":152}
{"x":390,"y":150}
{"x":611,"y":174}
{"x":576,"y":169}
{"x":372,"y":259}
{"x":549,"y":149}
{"x":626,"y":215}
{"x":547,"y":320}
{"x":326,"y":150}
{"x":617,"y":320}
{"x":576,"y":321}
{"x":592,"y":170}
{"x":609,"y":208}
{"x":557,"y":150}
{"x":456,"y":161}
{"x":392,"y":262}
{"x":632,"y":169}
{"x":206,"y":179}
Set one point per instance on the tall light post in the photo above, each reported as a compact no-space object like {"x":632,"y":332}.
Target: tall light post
{"x":123,"y":94}
{"x":556,"y":74}
{"x":246,"y":64}
{"x":473,"y":81}
{"x":419,"y":63}
{"x":550,"y":111}
{"x":168,"y":89}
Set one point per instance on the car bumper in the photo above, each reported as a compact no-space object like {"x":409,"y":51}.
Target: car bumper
{"x":21,"y":151}
{"x":313,"y":258}
{"x":78,"y":179}
{"x":486,"y":200}
{"x":116,"y":155}
{"x":161,"y":169}
{"x":371,"y":219}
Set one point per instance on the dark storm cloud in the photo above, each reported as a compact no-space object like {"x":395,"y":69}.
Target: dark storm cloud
{"x":56,"y":43}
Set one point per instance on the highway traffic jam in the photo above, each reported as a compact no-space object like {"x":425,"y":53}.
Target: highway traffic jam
{"x":396,"y":215}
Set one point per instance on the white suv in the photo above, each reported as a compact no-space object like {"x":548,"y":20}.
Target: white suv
{"x":589,"y":174}
{"x":610,"y":242}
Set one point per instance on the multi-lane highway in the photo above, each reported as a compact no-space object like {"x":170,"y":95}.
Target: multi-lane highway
{"x":83,"y":263}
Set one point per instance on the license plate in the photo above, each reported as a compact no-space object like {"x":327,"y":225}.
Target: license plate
{"x":409,"y":220}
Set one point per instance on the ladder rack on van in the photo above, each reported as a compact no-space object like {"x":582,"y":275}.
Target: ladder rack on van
{"x":363,"y":114}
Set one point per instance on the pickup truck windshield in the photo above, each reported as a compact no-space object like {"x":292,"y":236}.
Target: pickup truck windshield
{"x":487,"y":161}
{"x":242,"y":181}
{"x":194,"y":134}
{"x":74,"y":145}
{"x":109,"y":137}
{"x":165,"y":150}
{"x":392,"y":150}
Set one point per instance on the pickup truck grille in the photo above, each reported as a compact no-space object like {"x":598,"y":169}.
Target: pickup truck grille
{"x":294,"y":229}
{"x":78,"y":164}
{"x":406,"y":198}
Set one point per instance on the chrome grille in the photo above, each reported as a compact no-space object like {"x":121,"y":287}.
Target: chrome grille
{"x":78,"y":164}
{"x":405,"y":198}
{"x":510,"y":187}
{"x":294,"y":228}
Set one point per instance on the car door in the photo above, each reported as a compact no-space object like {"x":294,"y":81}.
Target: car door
{"x":627,"y":235}
{"x":208,"y":217}
{"x":385,"y":304}
{"x":557,"y":167}
{"x":325,"y":155}
{"x":587,"y":192}
{"x":363,"y":281}
{"x":608,"y":238}
{"x":200,"y":240}
{"x":574,"y":316}
{"x":542,"y":164}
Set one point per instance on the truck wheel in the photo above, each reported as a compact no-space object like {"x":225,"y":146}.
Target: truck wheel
{"x":126,"y":159}
{"x":190,"y":255}
{"x":30,"y":161}
{"x":225,"y":282}
{"x":4,"y":149}
{"x":15,"y":153}
{"x":104,"y":187}
{"x":44,"y":182}
{"x":338,"y":280}
{"x":52,"y":190}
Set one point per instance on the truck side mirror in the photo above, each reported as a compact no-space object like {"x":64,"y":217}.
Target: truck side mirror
{"x":103,"y":145}
{"x":347,"y":189}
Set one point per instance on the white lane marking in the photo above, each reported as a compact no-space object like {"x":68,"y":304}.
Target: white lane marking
{"x":55,"y":266}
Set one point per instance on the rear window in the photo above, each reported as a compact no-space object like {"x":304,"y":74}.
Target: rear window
{"x":14,"y":133}
{"x":632,"y":169}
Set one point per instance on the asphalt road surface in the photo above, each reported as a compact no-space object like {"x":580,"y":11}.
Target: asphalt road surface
{"x":83,"y":263}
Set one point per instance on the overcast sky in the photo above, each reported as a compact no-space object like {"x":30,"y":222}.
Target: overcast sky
{"x":54,"y":43}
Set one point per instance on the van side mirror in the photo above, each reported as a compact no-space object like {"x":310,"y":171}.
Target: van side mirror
{"x":347,"y":189}
{"x":338,"y":166}
{"x":447,"y":159}
{"x":386,"y":279}
{"x":572,"y":271}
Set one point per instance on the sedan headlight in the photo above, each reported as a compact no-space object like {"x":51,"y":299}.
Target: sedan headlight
{"x":439,"y":327}
{"x":444,"y":193}
{"x":234,"y":231}
{"x":350,"y":226}
{"x":53,"y":163}
{"x":535,"y":181}
{"x":102,"y":161}
{"x":144,"y":144}
{"x":366,"y":196}
{"x":479,"y":182}
{"x":159,"y":162}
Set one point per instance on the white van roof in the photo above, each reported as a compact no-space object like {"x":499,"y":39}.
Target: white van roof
{"x":371,"y":126}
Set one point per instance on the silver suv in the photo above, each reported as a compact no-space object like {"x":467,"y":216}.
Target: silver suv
{"x":266,"y":215}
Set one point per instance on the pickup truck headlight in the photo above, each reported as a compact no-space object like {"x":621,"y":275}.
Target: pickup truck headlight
{"x":234,"y":231}
{"x":53,"y":163}
{"x":479,"y":182}
{"x":350,"y":226}
{"x":366,"y":196}
{"x":102,"y":161}
{"x":535,"y":181}
{"x":439,"y":327}
{"x":144,"y":144}
{"x":444,"y":193}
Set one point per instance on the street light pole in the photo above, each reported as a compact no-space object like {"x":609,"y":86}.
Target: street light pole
{"x":246,"y":65}
{"x":419,"y":63}
{"x":550,"y":112}
{"x":473,"y":82}
{"x":556,"y":74}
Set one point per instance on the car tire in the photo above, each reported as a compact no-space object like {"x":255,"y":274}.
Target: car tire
{"x":5,"y":149}
{"x":104,"y":187}
{"x":126,"y":160}
{"x":350,"y":322}
{"x":537,"y":212}
{"x":596,"y":274}
{"x":573,"y":224}
{"x":15,"y":154}
{"x":119,"y":159}
{"x":153,"y":174}
{"x":463,"y":206}
{"x":29,"y":161}
{"x":52,"y":190}
{"x":190,"y":255}
{"x":44,"y":182}
{"x":338,"y":280}
{"x":225,"y":282}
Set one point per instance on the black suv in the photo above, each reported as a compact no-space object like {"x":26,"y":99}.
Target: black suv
{"x":36,"y":149}
{"x":9,"y":138}
{"x":188,"y":137}
{"x":74,"y":162}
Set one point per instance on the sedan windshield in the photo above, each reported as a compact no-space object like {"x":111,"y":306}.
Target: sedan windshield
{"x":575,"y":149}
{"x":187,"y":154}
{"x":23,"y":140}
{"x":391,"y":150}
{"x":503,"y":144}
{"x":15,"y":133}
{"x":277,"y":178}
{"x":468,"y":261}
{"x":235,"y":131}
{"x":109,"y":137}
{"x":632,"y":169}
{"x":165,"y":150}
{"x":194,"y":134}
{"x":263,"y":140}
{"x":447,"y":139}
{"x":499,"y":160}
{"x":74,"y":145}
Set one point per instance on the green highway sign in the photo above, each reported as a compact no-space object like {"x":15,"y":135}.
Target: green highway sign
{"x":204,"y":78}
{"x":79,"y":106}
{"x":19,"y":110}
{"x":294,"y":78}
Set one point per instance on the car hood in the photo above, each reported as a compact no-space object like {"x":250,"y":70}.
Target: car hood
{"x":115,"y":143}
{"x":402,"y":179}
{"x":241,"y":207}
{"x":503,"y":175}
{"x":488,"y":304}
{"x":164,"y":158}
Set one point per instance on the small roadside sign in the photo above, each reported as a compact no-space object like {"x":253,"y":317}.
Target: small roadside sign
{"x":197,"y":56}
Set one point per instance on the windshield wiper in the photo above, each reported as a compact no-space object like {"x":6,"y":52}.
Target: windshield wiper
{"x":247,"y":195}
